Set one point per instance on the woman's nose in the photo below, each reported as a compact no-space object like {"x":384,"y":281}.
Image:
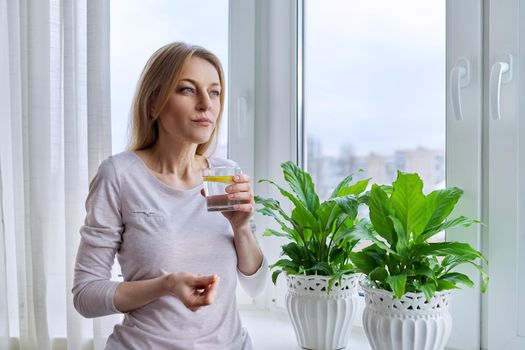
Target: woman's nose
{"x":204,"y":103}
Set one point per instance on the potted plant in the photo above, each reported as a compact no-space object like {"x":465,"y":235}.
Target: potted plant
{"x":321,"y":299}
{"x":409,"y":279}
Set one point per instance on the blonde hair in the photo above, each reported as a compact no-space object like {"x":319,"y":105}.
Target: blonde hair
{"x":156,"y":84}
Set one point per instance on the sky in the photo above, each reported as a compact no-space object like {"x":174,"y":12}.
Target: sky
{"x":375,"y":74}
{"x":374,"y":70}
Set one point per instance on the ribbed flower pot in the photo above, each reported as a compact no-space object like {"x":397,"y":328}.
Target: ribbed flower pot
{"x":409,"y":323}
{"x":321,"y":321}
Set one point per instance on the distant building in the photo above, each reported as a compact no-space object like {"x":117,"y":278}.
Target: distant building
{"x":429,"y":164}
{"x":328,"y":171}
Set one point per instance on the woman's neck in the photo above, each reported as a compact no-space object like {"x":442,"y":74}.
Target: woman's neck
{"x":176,"y":160}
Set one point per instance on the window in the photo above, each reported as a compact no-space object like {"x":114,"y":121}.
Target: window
{"x":374,"y":76}
{"x":139,"y":28}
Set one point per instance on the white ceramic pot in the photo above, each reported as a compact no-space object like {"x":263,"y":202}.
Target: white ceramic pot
{"x":321,"y":321}
{"x":409,"y":323}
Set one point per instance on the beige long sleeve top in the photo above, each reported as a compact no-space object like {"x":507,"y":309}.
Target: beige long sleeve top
{"x":155,"y":229}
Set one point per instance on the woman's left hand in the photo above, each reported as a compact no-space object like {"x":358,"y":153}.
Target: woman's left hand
{"x":241,"y":191}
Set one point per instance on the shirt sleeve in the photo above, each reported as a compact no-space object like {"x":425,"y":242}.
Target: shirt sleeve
{"x":101,"y":236}
{"x":255,"y":284}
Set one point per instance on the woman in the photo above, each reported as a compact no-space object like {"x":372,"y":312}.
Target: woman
{"x":180,"y":263}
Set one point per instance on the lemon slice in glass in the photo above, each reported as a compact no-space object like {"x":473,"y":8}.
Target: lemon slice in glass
{"x":220,"y":178}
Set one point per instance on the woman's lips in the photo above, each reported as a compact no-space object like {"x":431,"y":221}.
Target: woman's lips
{"x":202,"y":122}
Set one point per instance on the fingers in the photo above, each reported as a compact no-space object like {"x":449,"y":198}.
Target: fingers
{"x":240,"y":187}
{"x":211,"y":291}
{"x":246,"y":207}
{"x":241,"y":178}
{"x":202,"y":281}
{"x":203,"y":291}
{"x":245,"y":197}
{"x":242,"y":192}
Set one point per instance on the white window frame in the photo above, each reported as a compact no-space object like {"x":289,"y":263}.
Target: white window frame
{"x":463,"y":157}
{"x":241,"y":92}
{"x":263,"y":126}
{"x":504,"y":177}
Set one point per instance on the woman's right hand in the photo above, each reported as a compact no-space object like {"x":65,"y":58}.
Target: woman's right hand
{"x":192,"y":290}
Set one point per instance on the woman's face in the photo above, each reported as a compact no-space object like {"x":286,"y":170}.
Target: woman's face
{"x":192,"y":110}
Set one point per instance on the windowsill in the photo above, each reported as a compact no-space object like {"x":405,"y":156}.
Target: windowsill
{"x":273,"y":330}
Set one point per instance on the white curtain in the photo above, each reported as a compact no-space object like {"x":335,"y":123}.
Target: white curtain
{"x":54,"y":131}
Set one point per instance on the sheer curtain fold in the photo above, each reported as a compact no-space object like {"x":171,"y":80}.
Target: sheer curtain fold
{"x":4,"y":110}
{"x":54,"y":131}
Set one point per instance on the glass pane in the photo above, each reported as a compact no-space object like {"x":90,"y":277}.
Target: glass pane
{"x":375,"y":90}
{"x":139,"y":28}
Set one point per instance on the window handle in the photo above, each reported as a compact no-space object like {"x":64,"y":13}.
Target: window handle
{"x":459,"y":78}
{"x":500,"y":73}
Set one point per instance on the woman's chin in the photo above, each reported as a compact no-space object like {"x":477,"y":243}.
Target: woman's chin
{"x":200,"y":139}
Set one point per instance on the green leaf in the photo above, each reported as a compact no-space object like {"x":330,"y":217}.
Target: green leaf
{"x":270,"y":206}
{"x":275,"y":274}
{"x":397,"y":283}
{"x":380,"y":209}
{"x":451,"y":261}
{"x":270,"y":232}
{"x":456,"y":278}
{"x":301,"y":183}
{"x":459,"y":221}
{"x":356,"y":189}
{"x":337,"y":256}
{"x":294,"y":252}
{"x":484,"y":276}
{"x":409,"y":203}
{"x":441,"y":203}
{"x":284,"y":227}
{"x":348,"y":204}
{"x":304,"y":219}
{"x":364,"y":198}
{"x":445,"y":285}
{"x":346,"y":268}
{"x":344,"y":182}
{"x":328,"y":211}
{"x":378,"y":254}
{"x":449,"y":248}
{"x":363,"y":262}
{"x":428,"y":289}
{"x":422,"y":268}
{"x":285,"y":263}
{"x":402,"y":239}
{"x":344,"y":221}
{"x":322,"y":266}
{"x":387,"y":189}
{"x":362,"y":231}
{"x":378,"y":274}
{"x":305,"y":216}
{"x":268,"y":202}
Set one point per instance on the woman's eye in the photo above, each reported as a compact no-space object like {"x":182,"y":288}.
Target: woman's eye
{"x":187,"y":90}
{"x":215,"y":93}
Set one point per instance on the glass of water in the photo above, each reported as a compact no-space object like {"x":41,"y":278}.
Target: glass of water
{"x":216,"y":179}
